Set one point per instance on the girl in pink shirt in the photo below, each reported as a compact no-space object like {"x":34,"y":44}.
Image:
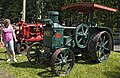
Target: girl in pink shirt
{"x":7,"y":37}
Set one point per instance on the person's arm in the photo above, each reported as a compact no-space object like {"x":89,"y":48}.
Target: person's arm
{"x":2,"y":35}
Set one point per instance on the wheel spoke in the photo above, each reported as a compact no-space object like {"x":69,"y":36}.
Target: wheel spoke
{"x":58,"y":59}
{"x":102,"y":51}
{"x":100,"y":39}
{"x":66,"y":57}
{"x":106,"y":49}
{"x":105,"y":42}
{"x":84,"y":41}
{"x":86,"y":31}
{"x":80,"y":33}
{"x":82,"y":30}
{"x":103,"y":38}
{"x":66,"y":53}
{"x":61,"y":56}
{"x":57,"y":63}
{"x":80,"y":40}
{"x":99,"y":45}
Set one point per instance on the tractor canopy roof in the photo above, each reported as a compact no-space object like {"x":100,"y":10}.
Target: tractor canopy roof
{"x":87,"y":7}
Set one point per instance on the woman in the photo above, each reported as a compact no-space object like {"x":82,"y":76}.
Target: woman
{"x":8,"y":36}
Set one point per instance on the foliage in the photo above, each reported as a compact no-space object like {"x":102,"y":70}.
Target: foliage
{"x":35,"y":8}
{"x":11,"y":9}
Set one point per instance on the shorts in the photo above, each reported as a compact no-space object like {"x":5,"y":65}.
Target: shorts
{"x":9,"y":45}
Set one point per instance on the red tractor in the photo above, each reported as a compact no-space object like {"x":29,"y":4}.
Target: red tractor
{"x":27,"y":34}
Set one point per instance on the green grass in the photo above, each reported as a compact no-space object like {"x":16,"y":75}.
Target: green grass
{"x":81,"y":69}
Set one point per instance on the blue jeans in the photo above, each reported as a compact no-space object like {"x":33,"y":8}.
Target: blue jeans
{"x":9,"y":45}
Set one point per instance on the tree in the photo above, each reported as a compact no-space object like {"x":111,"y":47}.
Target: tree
{"x":34,"y":8}
{"x":11,"y":9}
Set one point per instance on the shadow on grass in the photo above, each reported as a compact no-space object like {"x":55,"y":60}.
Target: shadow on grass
{"x":28,"y":65}
{"x":84,"y":60}
{"x":3,"y":52}
{"x":44,"y":74}
{"x":117,"y":51}
{"x":3,"y":59}
{"x":113,"y":74}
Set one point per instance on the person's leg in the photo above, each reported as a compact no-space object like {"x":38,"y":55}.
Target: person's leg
{"x":11,"y":44}
{"x":8,"y":52}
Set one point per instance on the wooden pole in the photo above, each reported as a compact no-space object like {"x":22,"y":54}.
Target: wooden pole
{"x":24,"y":10}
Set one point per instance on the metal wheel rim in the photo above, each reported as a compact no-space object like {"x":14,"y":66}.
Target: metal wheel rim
{"x":103,"y":47}
{"x":62,"y":61}
{"x":82,"y":35}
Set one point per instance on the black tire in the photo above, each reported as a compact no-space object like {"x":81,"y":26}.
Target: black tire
{"x":64,"y":59}
{"x":34,"y":53}
{"x":21,"y":48}
{"x":100,"y":46}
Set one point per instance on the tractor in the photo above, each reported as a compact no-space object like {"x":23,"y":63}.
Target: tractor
{"x":27,"y":34}
{"x":62,"y":43}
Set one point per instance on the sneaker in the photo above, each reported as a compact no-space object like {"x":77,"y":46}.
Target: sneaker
{"x":20,"y":54}
{"x":14,"y":60}
{"x":8,"y":60}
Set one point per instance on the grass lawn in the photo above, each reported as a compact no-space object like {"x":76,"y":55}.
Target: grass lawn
{"x":81,"y":69}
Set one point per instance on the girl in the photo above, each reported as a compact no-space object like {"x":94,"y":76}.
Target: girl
{"x":7,"y":36}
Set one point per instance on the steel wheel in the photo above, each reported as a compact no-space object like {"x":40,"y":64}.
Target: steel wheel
{"x":22,"y":47}
{"x":34,"y":51}
{"x":62,"y":61}
{"x":81,"y":35}
{"x":101,"y":46}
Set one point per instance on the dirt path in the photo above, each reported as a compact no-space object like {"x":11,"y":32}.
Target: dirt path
{"x":4,"y":74}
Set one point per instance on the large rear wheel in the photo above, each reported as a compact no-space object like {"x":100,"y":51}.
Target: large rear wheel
{"x":100,"y":46}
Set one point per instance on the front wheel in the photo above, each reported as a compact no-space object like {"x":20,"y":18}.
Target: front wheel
{"x":35,"y":53}
{"x":62,"y":61}
{"x":100,"y":46}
